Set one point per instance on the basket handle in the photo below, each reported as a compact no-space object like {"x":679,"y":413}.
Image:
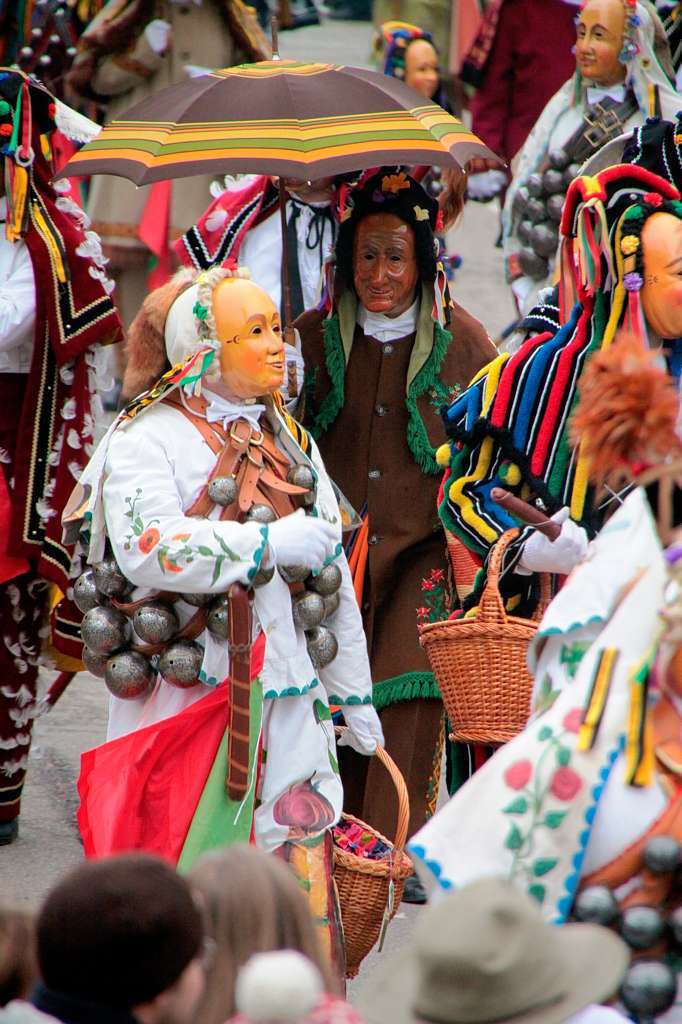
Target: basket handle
{"x":491,"y":606}
{"x":401,"y":792}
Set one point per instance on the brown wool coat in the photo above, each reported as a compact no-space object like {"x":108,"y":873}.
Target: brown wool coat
{"x":366,"y":452}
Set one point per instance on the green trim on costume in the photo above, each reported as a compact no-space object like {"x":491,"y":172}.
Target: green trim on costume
{"x":336,"y":368}
{"x":258,"y":554}
{"x":417,"y":438}
{"x":352,"y":701}
{"x":409,"y":686}
{"x":292,"y":691}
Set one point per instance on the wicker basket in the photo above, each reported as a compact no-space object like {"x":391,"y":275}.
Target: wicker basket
{"x":480,"y":663}
{"x":364,"y":885}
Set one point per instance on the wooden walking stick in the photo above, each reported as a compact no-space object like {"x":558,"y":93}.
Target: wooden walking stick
{"x":239,"y":645}
{"x":526,"y":513}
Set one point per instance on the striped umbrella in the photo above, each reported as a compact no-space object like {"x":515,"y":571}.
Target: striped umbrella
{"x":278,"y":117}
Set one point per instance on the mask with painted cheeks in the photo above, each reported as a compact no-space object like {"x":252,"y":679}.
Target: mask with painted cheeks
{"x":661,"y":293}
{"x":385,"y":271}
{"x":250,"y":335}
{"x":600,"y":32}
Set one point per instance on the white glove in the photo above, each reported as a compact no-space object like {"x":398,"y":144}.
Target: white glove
{"x":540,"y":554}
{"x":485,"y":184}
{"x":364,"y":732}
{"x":299,"y":539}
{"x":157,"y":34}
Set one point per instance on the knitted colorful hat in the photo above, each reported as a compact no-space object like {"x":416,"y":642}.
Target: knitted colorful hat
{"x":391,"y":44}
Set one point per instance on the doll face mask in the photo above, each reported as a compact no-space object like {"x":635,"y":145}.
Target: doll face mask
{"x":421,"y":68}
{"x":601,"y":26}
{"x":385,"y":269}
{"x":662,"y":290}
{"x":250,"y":335}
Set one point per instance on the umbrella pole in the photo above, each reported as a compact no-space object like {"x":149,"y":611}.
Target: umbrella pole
{"x":286,"y":284}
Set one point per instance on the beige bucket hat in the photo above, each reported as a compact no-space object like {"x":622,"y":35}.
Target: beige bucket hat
{"x":484,"y":955}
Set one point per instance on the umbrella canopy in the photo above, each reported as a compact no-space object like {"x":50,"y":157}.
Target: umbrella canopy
{"x":281,"y":118}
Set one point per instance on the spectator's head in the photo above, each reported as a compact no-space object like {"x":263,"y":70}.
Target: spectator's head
{"x":484,"y":954}
{"x":253,"y":904}
{"x":124,"y":933}
{"x":18,"y":967}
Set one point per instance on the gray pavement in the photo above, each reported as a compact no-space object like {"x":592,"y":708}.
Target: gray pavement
{"x":48,"y":843}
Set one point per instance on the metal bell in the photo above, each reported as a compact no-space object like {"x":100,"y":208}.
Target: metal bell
{"x":331,"y":603}
{"x":263,"y":576}
{"x":322,"y":646}
{"x":218,"y":620}
{"x":571,"y":172}
{"x":223,"y":490}
{"x":180,"y":663}
{"x":596,"y":905}
{"x":544,"y":239}
{"x":105,"y":630}
{"x":302,"y":476}
{"x":85,"y":592}
{"x":534,"y":185}
{"x":648,"y":989}
{"x":155,"y":622}
{"x":308,"y":610}
{"x":109,"y":579}
{"x":555,"y":206}
{"x":327,"y":581}
{"x":95,"y":663}
{"x":523,"y":231}
{"x":293,"y":573}
{"x":261,"y":514}
{"x":520,"y":201}
{"x":197,"y":600}
{"x":663,"y":855}
{"x":129,"y":675}
{"x":552,"y":180}
{"x":532,"y":265}
{"x":559,"y":159}
{"x":535,"y":210}
{"x":642,"y":927}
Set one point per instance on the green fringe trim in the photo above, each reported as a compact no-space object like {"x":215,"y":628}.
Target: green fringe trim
{"x":417,"y":438}
{"x":409,"y":686}
{"x":335,"y":362}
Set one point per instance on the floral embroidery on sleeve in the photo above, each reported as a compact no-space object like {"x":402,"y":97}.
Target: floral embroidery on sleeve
{"x":535,"y":784}
{"x":176,"y":554}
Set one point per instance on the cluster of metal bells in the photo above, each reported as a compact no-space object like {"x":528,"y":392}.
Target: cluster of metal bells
{"x":110,"y":636}
{"x":650,"y":985}
{"x":538,"y":205}
{"x":320,"y":599}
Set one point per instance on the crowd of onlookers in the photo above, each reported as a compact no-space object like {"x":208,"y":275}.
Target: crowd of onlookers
{"x":127,"y":940}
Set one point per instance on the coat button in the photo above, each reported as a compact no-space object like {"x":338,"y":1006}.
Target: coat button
{"x":374,"y":474}
{"x":381,"y":410}
{"x":388,"y":350}
{"x":373,"y":539}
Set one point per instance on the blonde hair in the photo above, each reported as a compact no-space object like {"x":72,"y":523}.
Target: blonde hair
{"x":18,"y":960}
{"x":253,"y":904}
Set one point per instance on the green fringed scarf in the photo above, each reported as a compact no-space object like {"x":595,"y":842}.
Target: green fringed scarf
{"x":429,"y":350}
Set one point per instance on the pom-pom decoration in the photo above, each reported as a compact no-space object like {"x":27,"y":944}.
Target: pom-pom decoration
{"x":627,"y":412}
{"x":279,"y":986}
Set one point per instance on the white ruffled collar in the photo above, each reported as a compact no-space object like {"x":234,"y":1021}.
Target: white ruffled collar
{"x":222,"y":410}
{"x":385,"y":328}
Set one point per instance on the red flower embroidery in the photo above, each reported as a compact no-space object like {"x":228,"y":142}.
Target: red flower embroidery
{"x":439,"y":221}
{"x":653,"y":199}
{"x":518,"y":774}
{"x":422,"y":612}
{"x":148,"y":540}
{"x":427,"y":585}
{"x":565,"y":784}
{"x":437,"y":575}
{"x":573,"y":720}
